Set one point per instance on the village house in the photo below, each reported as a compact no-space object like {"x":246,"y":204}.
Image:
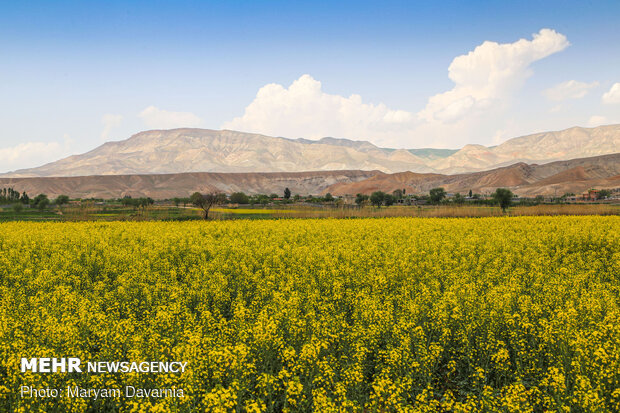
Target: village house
{"x":590,"y":195}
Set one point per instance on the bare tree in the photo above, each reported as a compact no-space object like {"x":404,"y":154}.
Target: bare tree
{"x":206,"y":201}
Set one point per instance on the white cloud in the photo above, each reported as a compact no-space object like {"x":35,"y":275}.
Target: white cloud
{"x":305,"y":110}
{"x":557,"y":108}
{"x":473,"y":110}
{"x":110,"y":121}
{"x":488,"y":74}
{"x":570,"y":89}
{"x":597,"y":120}
{"x":613,"y":95}
{"x":155,"y":118}
{"x":32,"y":154}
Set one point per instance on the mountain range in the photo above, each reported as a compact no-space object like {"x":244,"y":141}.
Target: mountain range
{"x":203,"y":150}
{"x":551,"y":179}
{"x":555,"y":178}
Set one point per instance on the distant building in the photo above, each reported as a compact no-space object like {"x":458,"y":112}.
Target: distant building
{"x":590,"y":195}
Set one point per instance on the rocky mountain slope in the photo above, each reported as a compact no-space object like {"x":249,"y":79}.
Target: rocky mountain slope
{"x":162,"y":186}
{"x":203,"y":150}
{"x":538,"y":148}
{"x":556,"y":178}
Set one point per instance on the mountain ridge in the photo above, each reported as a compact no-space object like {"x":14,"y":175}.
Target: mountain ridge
{"x":206,"y":150}
{"x":555,"y":178}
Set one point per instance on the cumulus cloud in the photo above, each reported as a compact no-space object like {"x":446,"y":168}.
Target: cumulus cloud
{"x":570,"y":89}
{"x":613,"y":95}
{"x":305,"y":110}
{"x":491,"y":72}
{"x":155,"y":118}
{"x":597,"y":120}
{"x":31,"y":154}
{"x":474,"y":109}
{"x":109,"y":121}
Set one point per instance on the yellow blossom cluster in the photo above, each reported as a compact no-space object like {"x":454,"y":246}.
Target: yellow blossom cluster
{"x":370,"y":315}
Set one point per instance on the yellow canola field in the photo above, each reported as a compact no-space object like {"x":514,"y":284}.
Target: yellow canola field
{"x":395,"y":314}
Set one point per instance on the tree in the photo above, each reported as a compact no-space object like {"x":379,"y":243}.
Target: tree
{"x":144,"y":202}
{"x":207,"y":201}
{"x":459,"y":199}
{"x":361,"y":199}
{"x":62,"y":200}
{"x":287,"y":193}
{"x":377,"y":198}
{"x":41,"y":201}
{"x":9,"y":195}
{"x":398,"y":194}
{"x":25,"y":199}
{"x":470,"y":193}
{"x":503,"y":197}
{"x":260,"y":199}
{"x":328,"y":197}
{"x":603,"y":193}
{"x":436,"y":195}
{"x":389,"y":200}
{"x":127,"y":200}
{"x":176,"y":201}
{"x":239,"y":198}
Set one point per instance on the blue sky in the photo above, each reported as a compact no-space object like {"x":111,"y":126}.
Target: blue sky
{"x":75,"y":74}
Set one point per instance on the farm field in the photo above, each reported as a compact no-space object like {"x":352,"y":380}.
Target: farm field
{"x":488,"y":314}
{"x":116,"y":212}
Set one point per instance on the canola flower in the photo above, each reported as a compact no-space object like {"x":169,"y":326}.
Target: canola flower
{"x":396,"y":314}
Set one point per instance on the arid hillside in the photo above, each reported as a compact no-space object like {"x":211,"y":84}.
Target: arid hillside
{"x":554,"y":178}
{"x":203,"y":150}
{"x":160,"y":186}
